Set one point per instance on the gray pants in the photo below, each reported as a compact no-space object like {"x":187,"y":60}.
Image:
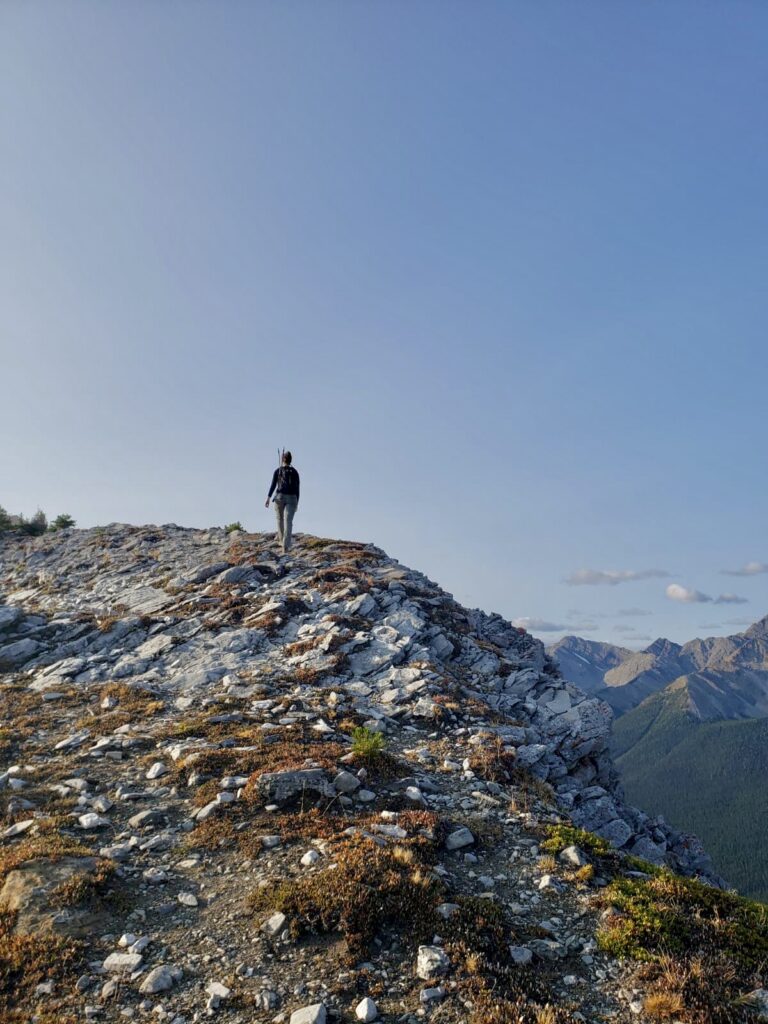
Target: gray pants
{"x":285,"y":509}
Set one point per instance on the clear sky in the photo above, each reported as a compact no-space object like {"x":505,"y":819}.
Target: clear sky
{"x":495,"y":272}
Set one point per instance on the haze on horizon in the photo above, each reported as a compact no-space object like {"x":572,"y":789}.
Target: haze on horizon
{"x":494,"y":272}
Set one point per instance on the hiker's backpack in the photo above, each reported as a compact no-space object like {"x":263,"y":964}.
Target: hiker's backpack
{"x":286,"y":480}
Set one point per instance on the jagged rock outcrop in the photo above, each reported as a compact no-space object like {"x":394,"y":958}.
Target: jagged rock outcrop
{"x":162,"y":592}
{"x":179,"y":704}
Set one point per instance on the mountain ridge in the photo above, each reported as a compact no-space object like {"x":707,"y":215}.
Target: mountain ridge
{"x":629,"y":677}
{"x":283,"y":778}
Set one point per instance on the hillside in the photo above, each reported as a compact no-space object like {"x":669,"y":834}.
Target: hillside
{"x":316,"y":789}
{"x":707,"y":776}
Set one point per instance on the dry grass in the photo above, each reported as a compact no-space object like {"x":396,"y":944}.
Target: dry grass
{"x":85,"y":890}
{"x":200,"y":726}
{"x":583,"y":875}
{"x":268,"y":622}
{"x":319,"y":641}
{"x":52,"y":846}
{"x":513,"y":998}
{"x":133,"y":700}
{"x":491,"y":761}
{"x":546,"y":1015}
{"x":368,"y":889}
{"x":702,"y":989}
{"x":529,"y":790}
{"x":334,"y":666}
{"x":23,"y":713}
{"x":256,"y":756}
{"x":304,"y":826}
{"x":342,"y":573}
{"x":301,"y":826}
{"x":663,"y":1005}
{"x":28,"y":960}
{"x":547,"y":864}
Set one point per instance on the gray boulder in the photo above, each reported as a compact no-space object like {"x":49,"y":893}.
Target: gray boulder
{"x":431,"y":962}
{"x":280,"y":787}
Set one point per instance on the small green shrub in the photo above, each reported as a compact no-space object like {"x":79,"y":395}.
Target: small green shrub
{"x":366,"y":744}
{"x":561,"y":836}
{"x":638,"y":864}
{"x":233,"y":527}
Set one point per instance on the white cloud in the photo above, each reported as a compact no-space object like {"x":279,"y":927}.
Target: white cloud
{"x":544,"y":626}
{"x":690,"y":596}
{"x":624,"y":630}
{"x":611,"y":577}
{"x":685,"y":594}
{"x":750,"y":569}
{"x":629,"y":613}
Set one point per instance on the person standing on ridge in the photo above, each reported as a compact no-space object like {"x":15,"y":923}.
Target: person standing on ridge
{"x":285,"y":486}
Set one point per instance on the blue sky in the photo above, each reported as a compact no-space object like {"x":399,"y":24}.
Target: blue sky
{"x":494,"y":271}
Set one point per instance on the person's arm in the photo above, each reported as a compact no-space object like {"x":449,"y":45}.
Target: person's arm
{"x":272,"y":488}
{"x":298,"y":484}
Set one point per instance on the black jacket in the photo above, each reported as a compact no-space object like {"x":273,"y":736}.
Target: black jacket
{"x":286,"y":480}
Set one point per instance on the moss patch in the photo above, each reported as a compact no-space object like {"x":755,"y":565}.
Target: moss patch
{"x":561,"y":836}
{"x":670,"y":914}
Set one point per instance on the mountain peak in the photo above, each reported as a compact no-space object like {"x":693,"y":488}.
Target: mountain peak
{"x":758,"y":630}
{"x":661,"y":647}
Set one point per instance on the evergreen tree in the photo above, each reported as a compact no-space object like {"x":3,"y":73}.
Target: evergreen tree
{"x":37,"y":524}
{"x":62,"y":522}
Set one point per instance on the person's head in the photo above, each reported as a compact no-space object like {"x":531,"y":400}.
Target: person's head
{"x":287,"y":458}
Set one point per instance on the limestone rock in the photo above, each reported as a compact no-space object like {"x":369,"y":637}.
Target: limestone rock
{"x":27,"y":891}
{"x":366,"y":1010}
{"x":574,"y":857}
{"x":274,"y":925}
{"x":521,"y":955}
{"x":346,"y":782}
{"x":460,"y":838}
{"x":280,"y":787}
{"x":431,"y":962}
{"x":314,"y":1014}
{"x":123,"y":963}
{"x":159,"y":979}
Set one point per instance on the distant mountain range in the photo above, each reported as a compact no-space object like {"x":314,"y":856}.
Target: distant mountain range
{"x":691,"y":736}
{"x":725,"y":677}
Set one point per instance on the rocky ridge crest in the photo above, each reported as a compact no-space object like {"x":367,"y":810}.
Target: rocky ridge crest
{"x":143,"y":661}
